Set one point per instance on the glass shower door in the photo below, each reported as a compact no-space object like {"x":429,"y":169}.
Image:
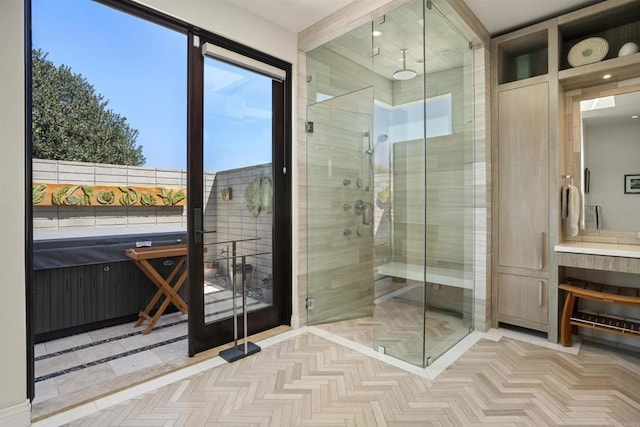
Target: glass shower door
{"x":424,"y":191}
{"x":340,"y":208}
{"x":449,"y":185}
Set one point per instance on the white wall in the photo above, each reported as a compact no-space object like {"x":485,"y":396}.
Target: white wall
{"x":14,"y":407}
{"x":233,"y":22}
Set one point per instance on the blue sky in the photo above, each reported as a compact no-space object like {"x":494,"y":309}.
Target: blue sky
{"x":141,"y":69}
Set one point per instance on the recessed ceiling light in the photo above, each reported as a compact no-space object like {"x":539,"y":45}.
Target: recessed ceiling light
{"x":376,"y":33}
{"x":606,"y":76}
{"x":634,"y":117}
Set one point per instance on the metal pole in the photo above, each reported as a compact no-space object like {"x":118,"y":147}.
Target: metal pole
{"x":244,"y":302}
{"x":235,"y":307}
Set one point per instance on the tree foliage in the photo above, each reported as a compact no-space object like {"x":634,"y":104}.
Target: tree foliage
{"x":72,"y":122}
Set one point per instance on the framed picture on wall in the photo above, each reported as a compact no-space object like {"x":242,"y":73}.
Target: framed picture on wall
{"x":632,"y":184}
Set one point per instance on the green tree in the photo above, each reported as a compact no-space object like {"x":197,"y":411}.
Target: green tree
{"x":72,"y":122}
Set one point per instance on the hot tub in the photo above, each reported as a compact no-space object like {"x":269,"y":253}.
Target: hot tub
{"x":82,"y":283}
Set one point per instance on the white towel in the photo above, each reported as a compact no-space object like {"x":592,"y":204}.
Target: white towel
{"x":571,"y":209}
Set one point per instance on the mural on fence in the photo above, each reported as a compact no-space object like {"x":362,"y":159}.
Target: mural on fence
{"x":60,"y":194}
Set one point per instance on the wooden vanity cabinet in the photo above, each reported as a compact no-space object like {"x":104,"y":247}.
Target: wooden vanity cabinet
{"x":523,"y":301}
{"x":532,"y":150}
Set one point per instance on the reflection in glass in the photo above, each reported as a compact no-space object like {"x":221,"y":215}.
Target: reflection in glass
{"x":238,"y":189}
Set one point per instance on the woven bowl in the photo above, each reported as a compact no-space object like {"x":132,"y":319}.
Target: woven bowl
{"x":588,"y":51}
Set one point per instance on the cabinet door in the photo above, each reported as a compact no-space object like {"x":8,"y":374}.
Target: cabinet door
{"x":523,"y":168}
{"x":523,"y":301}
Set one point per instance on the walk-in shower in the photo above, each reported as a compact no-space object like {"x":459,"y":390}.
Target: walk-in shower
{"x":390,"y":192}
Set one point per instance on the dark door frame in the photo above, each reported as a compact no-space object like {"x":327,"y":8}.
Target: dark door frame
{"x":204,"y":336}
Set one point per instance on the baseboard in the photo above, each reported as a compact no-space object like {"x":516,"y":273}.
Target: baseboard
{"x":295,"y":321}
{"x":16,"y":416}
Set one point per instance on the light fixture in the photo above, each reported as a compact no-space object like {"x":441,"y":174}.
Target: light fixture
{"x":634,"y":117}
{"x":404,"y":74}
{"x":606,"y":76}
{"x":598,"y":103}
{"x":376,"y":33}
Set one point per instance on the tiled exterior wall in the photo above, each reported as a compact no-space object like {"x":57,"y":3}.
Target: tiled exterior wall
{"x":67,"y":217}
{"x":231,"y":220}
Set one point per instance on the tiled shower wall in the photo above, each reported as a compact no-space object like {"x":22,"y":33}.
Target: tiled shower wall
{"x":344,"y":20}
{"x":449,"y":184}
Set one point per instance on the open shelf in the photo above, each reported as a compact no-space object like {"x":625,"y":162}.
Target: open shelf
{"x":622,"y":68}
{"x":616,"y":21}
{"x":523,"y":57}
{"x":605,"y":322}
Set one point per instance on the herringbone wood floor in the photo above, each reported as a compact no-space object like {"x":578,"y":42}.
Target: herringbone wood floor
{"x":310,"y":381}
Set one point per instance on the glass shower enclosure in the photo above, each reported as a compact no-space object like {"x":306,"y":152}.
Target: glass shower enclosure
{"x":390,"y":194}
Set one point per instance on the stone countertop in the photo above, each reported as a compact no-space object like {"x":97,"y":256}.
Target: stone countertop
{"x":605,"y":249}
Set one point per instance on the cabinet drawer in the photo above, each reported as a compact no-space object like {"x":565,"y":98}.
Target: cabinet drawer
{"x":523,"y":301}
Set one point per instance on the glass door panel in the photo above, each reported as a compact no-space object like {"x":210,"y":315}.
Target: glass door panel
{"x":238,"y":199}
{"x":237,"y":189}
{"x":400,"y":184}
{"x":449,"y":185}
{"x":340,"y":207}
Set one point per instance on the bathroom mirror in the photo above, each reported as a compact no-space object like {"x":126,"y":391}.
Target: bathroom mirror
{"x":610,"y":153}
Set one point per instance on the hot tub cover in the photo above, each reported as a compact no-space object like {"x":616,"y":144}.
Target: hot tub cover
{"x":74,"y":251}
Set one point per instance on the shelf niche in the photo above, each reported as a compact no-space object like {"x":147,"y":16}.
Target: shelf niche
{"x":617,"y":26}
{"x":523,"y":57}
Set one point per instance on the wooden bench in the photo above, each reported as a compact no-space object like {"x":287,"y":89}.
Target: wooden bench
{"x":572,"y":316}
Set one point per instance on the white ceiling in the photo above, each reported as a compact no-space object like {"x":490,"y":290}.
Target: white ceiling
{"x":294,"y":15}
{"x":498,"y":16}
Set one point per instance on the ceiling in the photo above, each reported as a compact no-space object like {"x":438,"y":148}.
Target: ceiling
{"x":498,"y":16}
{"x":626,"y":106}
{"x":293,"y":15}
{"x":402,"y":29}
{"x":501,"y":16}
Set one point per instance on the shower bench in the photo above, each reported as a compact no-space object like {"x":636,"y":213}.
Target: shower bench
{"x":435,"y":275}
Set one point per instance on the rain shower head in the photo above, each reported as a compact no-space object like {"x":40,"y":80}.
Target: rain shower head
{"x":404,"y":74}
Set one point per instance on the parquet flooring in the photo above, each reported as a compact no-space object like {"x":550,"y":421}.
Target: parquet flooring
{"x":307,"y":380}
{"x":399,"y":325}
